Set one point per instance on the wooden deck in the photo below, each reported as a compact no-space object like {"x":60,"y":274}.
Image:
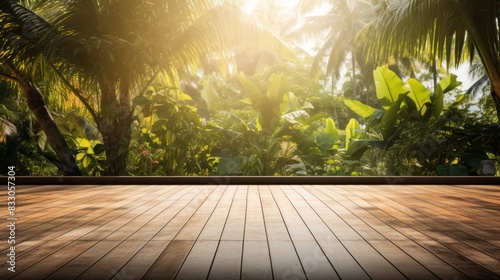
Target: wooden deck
{"x":254,"y":232}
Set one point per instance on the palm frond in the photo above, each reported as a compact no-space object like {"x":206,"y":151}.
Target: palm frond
{"x":7,"y":129}
{"x":443,"y":28}
{"x":478,"y":85}
{"x":224,"y":30}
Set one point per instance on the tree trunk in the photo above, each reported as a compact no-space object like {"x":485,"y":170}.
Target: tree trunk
{"x":37,"y":106}
{"x":114,"y":124}
{"x":496,"y":100}
{"x":116,"y":138}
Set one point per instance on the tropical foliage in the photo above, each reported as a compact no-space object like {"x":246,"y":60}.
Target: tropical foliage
{"x":201,"y":87}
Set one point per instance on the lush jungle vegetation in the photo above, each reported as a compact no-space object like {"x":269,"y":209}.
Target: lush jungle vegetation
{"x":261,"y":88}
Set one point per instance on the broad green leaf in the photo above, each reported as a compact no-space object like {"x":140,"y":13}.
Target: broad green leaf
{"x":86,"y":161}
{"x":252,"y":91}
{"x":331,"y":129}
{"x":449,"y":83}
{"x":80,"y":156}
{"x":84,"y":143}
{"x":307,"y":105}
{"x":278,"y":87}
{"x":359,"y":108}
{"x":352,"y":131}
{"x":210,"y":95}
{"x":325,"y":141}
{"x":230,"y":165}
{"x":258,"y":124}
{"x":313,"y":119}
{"x":356,"y":149}
{"x":473,"y":157}
{"x":390,"y":118}
{"x":296,"y":116}
{"x":99,"y":148}
{"x":388,"y":86}
{"x":139,"y":100}
{"x":184,"y":97}
{"x":291,"y":103}
{"x":419,"y":94}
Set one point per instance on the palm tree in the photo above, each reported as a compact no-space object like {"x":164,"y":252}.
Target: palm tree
{"x":107,"y":52}
{"x":453,"y":31}
{"x":13,"y":38}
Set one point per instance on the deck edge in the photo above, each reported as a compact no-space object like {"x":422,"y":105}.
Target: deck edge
{"x":252,"y":180}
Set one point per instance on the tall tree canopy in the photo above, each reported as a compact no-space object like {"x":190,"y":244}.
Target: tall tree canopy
{"x":451,"y":30}
{"x":107,"y":52}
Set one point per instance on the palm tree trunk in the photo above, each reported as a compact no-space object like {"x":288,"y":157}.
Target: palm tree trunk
{"x":37,"y":106}
{"x":114,"y":124}
{"x":496,"y":100}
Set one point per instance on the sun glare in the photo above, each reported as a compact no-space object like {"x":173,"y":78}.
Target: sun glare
{"x":285,"y":5}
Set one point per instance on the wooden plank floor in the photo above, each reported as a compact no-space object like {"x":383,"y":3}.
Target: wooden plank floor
{"x":254,"y":232}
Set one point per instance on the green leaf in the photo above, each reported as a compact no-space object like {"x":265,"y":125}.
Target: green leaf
{"x":313,"y":119}
{"x":99,"y":148}
{"x":290,"y":103}
{"x":251,"y":90}
{"x":325,"y":141}
{"x":359,"y":108}
{"x":449,"y":83}
{"x":390,"y":118}
{"x":83,"y":143}
{"x":86,"y":161}
{"x":278,"y":88}
{"x":473,"y":157}
{"x":230,"y":165}
{"x":184,"y":97}
{"x":139,"y":100}
{"x":419,"y":94}
{"x":388,"y":86}
{"x":80,"y":156}
{"x":210,"y":95}
{"x":352,"y":131}
{"x":452,"y":170}
{"x":331,"y":129}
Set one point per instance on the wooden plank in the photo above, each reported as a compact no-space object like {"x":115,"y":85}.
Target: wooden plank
{"x":227,"y":262}
{"x":256,"y":262}
{"x":141,"y":262}
{"x":138,"y":223}
{"x":159,"y":222}
{"x":227,"y":259}
{"x":51,"y":263}
{"x":168,"y":263}
{"x":165,"y":266}
{"x":28,"y":260}
{"x":434,"y":241}
{"x":215,"y":225}
{"x":199,"y":260}
{"x":235,"y":224}
{"x":386,"y":247}
{"x":84,"y":261}
{"x":170,"y":230}
{"x":257,"y":232}
{"x":112,"y":262}
{"x":343,"y":262}
{"x":284,"y":259}
{"x":47,"y":231}
{"x":429,"y":260}
{"x":100,"y":227}
{"x":192,"y":229}
{"x":313,"y":260}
